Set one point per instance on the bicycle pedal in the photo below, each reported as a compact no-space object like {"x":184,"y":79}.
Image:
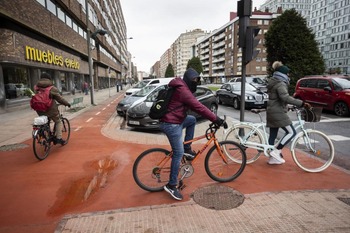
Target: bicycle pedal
{"x":182,"y":187}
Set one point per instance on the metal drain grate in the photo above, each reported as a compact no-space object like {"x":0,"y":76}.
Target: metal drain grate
{"x":218,"y":197}
{"x":346,"y":200}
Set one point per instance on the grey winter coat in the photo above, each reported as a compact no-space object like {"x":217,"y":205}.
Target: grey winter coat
{"x":276,"y":112}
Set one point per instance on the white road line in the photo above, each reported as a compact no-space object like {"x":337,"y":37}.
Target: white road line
{"x":98,"y":113}
{"x":103,"y":109}
{"x":78,"y":128}
{"x":335,"y":120}
{"x":108,"y":105}
{"x":89,"y":119}
{"x":338,"y":138}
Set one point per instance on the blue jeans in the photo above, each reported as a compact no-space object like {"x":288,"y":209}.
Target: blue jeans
{"x":174,"y":134}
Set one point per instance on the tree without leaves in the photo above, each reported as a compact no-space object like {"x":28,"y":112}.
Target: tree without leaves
{"x":169,"y":72}
{"x":196,"y":64}
{"x":290,"y":41}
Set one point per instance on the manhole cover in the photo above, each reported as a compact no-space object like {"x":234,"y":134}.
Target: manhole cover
{"x":218,"y":197}
{"x":346,"y":200}
{"x":13,"y":147}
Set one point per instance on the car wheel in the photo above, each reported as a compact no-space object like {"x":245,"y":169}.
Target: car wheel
{"x":236,"y":103}
{"x":341,"y":109}
{"x":214,"y":108}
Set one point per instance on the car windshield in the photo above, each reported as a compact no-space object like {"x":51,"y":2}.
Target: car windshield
{"x":141,"y":84}
{"x":144,"y":91}
{"x":255,"y":80}
{"x":248,"y":87}
{"x":343,"y":83}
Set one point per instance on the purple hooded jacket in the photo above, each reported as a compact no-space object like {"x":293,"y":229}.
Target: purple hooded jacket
{"x":183,"y":100}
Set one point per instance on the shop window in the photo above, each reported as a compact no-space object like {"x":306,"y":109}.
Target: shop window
{"x":16,"y":82}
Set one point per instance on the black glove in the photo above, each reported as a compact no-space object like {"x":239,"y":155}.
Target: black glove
{"x":220,"y":122}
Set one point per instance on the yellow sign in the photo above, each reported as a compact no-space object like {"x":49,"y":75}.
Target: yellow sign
{"x":51,"y":58}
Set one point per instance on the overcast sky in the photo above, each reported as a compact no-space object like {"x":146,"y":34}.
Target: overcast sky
{"x":156,"y":24}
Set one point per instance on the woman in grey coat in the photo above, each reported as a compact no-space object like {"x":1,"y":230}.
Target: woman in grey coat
{"x":276,"y":114}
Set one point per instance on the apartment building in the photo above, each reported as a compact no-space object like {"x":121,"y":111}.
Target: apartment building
{"x":182,"y":49}
{"x":221,"y":56}
{"x":329,"y":20}
{"x":51,"y":36}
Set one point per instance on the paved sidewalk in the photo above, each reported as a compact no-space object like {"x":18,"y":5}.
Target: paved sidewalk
{"x":304,"y":211}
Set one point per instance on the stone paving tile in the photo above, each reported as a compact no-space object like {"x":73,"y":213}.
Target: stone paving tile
{"x":305,"y":211}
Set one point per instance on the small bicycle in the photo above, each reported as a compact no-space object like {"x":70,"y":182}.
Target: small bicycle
{"x":151,"y":169}
{"x":312,"y":150}
{"x":44,"y":135}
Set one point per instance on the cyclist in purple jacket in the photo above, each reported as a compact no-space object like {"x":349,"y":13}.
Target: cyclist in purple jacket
{"x":173,"y":122}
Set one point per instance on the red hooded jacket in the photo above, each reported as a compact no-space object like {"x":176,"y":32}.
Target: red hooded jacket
{"x":182,"y":100}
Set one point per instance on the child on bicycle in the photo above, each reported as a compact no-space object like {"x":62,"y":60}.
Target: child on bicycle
{"x":52,"y":113}
{"x":173,"y":122}
{"x":276,"y":112}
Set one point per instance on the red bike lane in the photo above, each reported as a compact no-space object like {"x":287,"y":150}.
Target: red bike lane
{"x":94,"y":173}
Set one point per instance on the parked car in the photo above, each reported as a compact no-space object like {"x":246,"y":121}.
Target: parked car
{"x":257,"y":82}
{"x":231,"y":93}
{"x":128,"y":101}
{"x":137,"y":116}
{"x":145,"y":83}
{"x":330,"y":92}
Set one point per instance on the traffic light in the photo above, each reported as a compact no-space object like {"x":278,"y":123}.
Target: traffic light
{"x":251,"y":42}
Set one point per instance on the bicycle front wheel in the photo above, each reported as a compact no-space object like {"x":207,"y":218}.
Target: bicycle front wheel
{"x":243,"y":134}
{"x":41,"y":144}
{"x":65,"y":129}
{"x":225,"y":169}
{"x":151,"y":169}
{"x":312,"y":151}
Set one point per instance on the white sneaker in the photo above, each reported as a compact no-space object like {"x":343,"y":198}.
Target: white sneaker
{"x":272,"y":160}
{"x":276,"y":157}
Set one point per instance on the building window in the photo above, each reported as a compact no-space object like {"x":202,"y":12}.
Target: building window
{"x":51,"y":7}
{"x":42,"y":2}
{"x":61,"y":15}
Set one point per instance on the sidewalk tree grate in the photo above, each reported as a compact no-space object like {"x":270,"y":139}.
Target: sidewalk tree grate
{"x":218,"y":197}
{"x":12,"y":147}
{"x":346,"y":200}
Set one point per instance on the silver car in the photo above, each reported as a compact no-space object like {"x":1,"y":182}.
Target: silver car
{"x":128,"y":101}
{"x":137,"y":115}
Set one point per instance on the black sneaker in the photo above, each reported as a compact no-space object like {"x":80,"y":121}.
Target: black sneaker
{"x":190,"y":154}
{"x":60,"y":141}
{"x":173,"y":191}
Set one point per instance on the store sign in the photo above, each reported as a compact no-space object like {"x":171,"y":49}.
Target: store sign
{"x":51,"y":58}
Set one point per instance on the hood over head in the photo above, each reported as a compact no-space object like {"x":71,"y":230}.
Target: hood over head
{"x":191,"y":78}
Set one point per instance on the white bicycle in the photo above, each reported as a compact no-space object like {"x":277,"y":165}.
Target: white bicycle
{"x":312,"y":150}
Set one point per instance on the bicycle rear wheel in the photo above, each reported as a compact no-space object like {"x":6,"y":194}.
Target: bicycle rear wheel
{"x":41,"y":144}
{"x":313,"y":151}
{"x":151,"y":169}
{"x":225,"y":169}
{"x":65,"y":129}
{"x":245,"y":133}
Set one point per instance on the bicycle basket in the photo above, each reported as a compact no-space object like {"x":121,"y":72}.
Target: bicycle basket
{"x":41,"y":120}
{"x":312,"y":115}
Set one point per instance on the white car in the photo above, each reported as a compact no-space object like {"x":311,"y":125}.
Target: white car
{"x":145,"y":83}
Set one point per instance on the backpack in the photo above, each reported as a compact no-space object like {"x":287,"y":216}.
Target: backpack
{"x":160,"y":106}
{"x":41,"y":101}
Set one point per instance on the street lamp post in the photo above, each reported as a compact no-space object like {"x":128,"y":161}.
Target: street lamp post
{"x":93,"y":36}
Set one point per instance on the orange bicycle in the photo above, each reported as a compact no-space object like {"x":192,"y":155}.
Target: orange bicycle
{"x":151,"y":169}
